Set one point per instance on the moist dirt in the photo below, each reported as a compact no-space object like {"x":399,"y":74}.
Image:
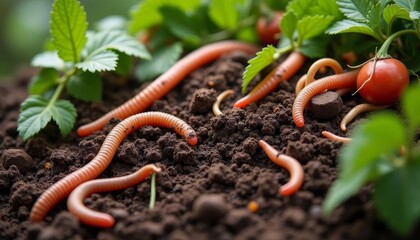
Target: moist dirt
{"x":202,"y":191}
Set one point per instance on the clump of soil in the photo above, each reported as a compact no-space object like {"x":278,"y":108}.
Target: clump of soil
{"x":202,"y":191}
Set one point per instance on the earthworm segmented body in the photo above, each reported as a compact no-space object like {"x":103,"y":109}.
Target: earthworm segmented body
{"x":97,"y":165}
{"x":335,"y":138}
{"x":343,"y":80}
{"x":223,"y":95}
{"x":364,"y":107}
{"x":167,"y":81}
{"x":292,"y":165}
{"x":284,"y":71}
{"x":322,"y":63}
{"x":99,"y":219}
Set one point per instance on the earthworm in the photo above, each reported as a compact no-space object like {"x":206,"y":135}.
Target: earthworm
{"x":342,"y":80}
{"x":282,"y":72}
{"x":99,"y":219}
{"x":223,"y":95}
{"x":292,"y":165}
{"x":336,"y":138}
{"x":97,"y":165}
{"x":167,"y":81}
{"x":358,"y":110}
{"x":314,"y":68}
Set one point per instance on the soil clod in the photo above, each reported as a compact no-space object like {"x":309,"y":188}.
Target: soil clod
{"x":17,"y":157}
{"x":326,"y":105}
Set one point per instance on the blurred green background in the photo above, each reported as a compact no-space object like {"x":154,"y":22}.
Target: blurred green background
{"x":24,"y":27}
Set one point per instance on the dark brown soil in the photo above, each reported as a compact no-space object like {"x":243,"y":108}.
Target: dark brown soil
{"x":203,"y":191}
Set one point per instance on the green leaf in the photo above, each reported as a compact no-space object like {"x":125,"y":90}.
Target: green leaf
{"x":356,"y":10}
{"x":288,"y":24}
{"x":162,"y":60}
{"x":100,"y":61}
{"x":37,"y":112}
{"x":375,"y":16}
{"x":300,"y":7}
{"x":180,"y":25}
{"x":68,"y":29}
{"x":225,"y":13}
{"x":393,"y":11}
{"x":383,"y":133}
{"x":115,"y":40}
{"x":314,"y":47}
{"x":415,"y":15}
{"x":43,"y":81}
{"x":85,"y":86}
{"x":147,"y":13}
{"x":111,"y":23}
{"x":48,"y":60}
{"x":344,"y":188}
{"x":396,"y":197}
{"x":411,"y":106}
{"x":311,"y":26}
{"x":350,"y":26}
{"x":263,"y":58}
{"x":125,"y":64}
{"x":327,"y":7}
{"x":409,"y":5}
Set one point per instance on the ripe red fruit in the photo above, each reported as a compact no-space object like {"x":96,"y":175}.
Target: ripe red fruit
{"x":268,"y":29}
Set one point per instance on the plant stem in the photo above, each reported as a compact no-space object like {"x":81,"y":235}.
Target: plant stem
{"x":383,"y":51}
{"x":61,"y":83}
{"x":152,"y":192}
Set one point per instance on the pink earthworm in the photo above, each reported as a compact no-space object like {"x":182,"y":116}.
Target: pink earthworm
{"x":335,"y":138}
{"x":97,"y":165}
{"x":358,"y":110}
{"x":292,"y":165}
{"x":99,"y":219}
{"x":167,"y":81}
{"x":343,"y":80}
{"x":223,"y":95}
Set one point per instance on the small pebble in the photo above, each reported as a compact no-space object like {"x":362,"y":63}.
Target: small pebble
{"x":17,"y":157}
{"x":210,"y":207}
{"x":326,"y":105}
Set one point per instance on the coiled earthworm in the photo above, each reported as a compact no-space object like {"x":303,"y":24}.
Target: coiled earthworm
{"x":283,"y":71}
{"x":336,"y":138}
{"x":99,"y":219}
{"x":167,"y":81}
{"x":314,"y":68}
{"x":292,"y":165}
{"x":343,"y":80}
{"x":358,"y":110}
{"x":223,"y":95}
{"x":99,"y":163}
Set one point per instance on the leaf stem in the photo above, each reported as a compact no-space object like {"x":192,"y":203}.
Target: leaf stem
{"x":152,"y":192}
{"x":61,"y":83}
{"x":383,"y":51}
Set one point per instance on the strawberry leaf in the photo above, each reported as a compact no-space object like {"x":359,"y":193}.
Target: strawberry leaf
{"x":288,"y":24}
{"x":99,"y":61}
{"x":393,"y":11}
{"x":356,"y":10}
{"x":311,"y":26}
{"x":85,"y":86}
{"x":48,"y":60}
{"x":225,"y":13}
{"x":350,"y":26}
{"x":68,"y":29}
{"x":43,"y":81}
{"x":263,"y":58}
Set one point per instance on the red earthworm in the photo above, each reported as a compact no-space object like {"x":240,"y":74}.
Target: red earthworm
{"x":282,"y":72}
{"x":292,"y":165}
{"x":97,"y":165}
{"x":99,"y":219}
{"x":336,"y":138}
{"x":167,"y":81}
{"x":314,"y":68}
{"x":343,"y":80}
{"x":223,"y":95}
{"x":358,"y":110}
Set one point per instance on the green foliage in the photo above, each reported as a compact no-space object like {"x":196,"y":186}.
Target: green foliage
{"x":76,"y":56}
{"x":224,"y":13}
{"x":374,"y":155}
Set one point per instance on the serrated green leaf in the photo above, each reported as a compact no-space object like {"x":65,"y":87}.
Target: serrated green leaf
{"x":409,"y":5}
{"x":162,"y":60}
{"x":64,"y":114}
{"x":147,"y":13}
{"x":350,"y":26}
{"x":311,"y":26}
{"x":356,"y":10}
{"x":180,"y":25}
{"x":415,"y":15}
{"x":411,"y":106}
{"x":114,"y":40}
{"x":300,"y":7}
{"x":327,"y":7}
{"x":382,"y":134}
{"x":263,"y":58}
{"x":85,"y":86}
{"x":375,"y":16}
{"x":101,"y":61}
{"x":43,"y":81}
{"x":399,"y":188}
{"x":48,"y":60}
{"x":68,"y":29}
{"x":392,"y":12}
{"x":225,"y":13}
{"x":288,"y":24}
{"x":36,"y":112}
